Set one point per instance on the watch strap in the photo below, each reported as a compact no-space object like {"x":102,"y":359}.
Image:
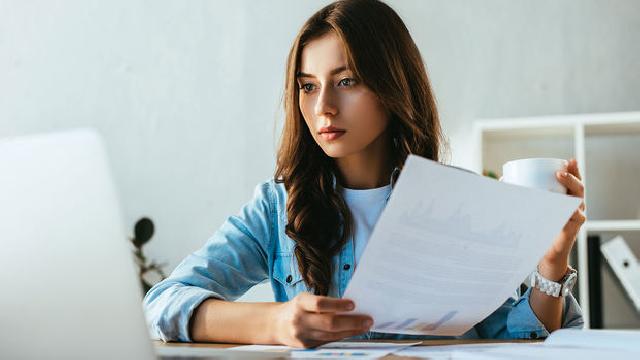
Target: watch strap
{"x":551,"y":287}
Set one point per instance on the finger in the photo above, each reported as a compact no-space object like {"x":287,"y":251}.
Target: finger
{"x":325,"y":336}
{"x":578,"y":217}
{"x":572,"y":167}
{"x":323,"y":304}
{"x":336,"y":323}
{"x":583,"y":207}
{"x":573,"y":184}
{"x":572,"y":227}
{"x":306,"y":342}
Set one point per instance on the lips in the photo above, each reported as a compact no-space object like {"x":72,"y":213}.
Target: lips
{"x":331,"y":132}
{"x":331,"y":135}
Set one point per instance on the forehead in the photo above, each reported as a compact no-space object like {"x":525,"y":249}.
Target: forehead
{"x":322,"y":55}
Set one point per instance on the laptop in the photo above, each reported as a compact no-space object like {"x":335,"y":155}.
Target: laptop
{"x":69,"y":287}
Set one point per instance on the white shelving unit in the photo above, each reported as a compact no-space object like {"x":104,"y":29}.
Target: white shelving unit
{"x":564,"y":136}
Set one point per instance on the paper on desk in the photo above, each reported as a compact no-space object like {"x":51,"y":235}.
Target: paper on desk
{"x":623,"y":340}
{"x":451,"y":247}
{"x":335,"y":350}
{"x":561,"y":344}
{"x":541,"y":352}
{"x":445,"y":352}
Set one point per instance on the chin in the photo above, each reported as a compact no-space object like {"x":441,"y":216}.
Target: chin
{"x":335,"y":151}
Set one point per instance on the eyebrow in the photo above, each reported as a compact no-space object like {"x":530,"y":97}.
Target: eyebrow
{"x":332,"y":72}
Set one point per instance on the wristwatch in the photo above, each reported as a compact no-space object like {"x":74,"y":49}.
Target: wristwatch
{"x":552,"y":288}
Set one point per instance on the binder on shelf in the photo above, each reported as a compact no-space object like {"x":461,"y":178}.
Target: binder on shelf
{"x":625,"y":266}
{"x":595,"y":282}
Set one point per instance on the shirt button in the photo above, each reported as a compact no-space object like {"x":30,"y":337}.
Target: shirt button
{"x":346,"y":266}
{"x":289,"y":278}
{"x":533,"y":335}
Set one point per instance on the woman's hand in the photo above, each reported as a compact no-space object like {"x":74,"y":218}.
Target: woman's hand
{"x":309,"y":320}
{"x":553,"y":264}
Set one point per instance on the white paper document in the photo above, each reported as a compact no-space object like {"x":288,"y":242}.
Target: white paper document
{"x":447,"y":352}
{"x":622,"y":340}
{"x":540,"y":352}
{"x":451,"y":247}
{"x":560,"y":345}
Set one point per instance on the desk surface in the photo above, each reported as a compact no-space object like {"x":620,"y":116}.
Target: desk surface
{"x":424,"y":343}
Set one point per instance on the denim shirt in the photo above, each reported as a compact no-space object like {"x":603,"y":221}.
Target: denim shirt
{"x":252,"y":247}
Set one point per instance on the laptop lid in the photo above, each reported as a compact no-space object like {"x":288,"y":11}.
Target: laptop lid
{"x":69,"y":287}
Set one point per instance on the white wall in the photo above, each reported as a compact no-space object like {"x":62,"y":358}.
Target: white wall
{"x":187,"y":92}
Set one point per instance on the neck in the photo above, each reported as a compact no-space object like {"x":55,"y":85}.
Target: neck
{"x":369,"y":168}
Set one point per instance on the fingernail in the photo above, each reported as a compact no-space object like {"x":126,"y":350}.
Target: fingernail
{"x":350,"y":306}
{"x":368,"y":323}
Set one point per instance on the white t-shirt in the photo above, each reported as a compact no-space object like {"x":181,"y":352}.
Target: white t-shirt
{"x":366,"y":206}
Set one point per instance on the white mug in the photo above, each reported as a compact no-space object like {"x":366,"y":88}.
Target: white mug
{"x":539,"y":173}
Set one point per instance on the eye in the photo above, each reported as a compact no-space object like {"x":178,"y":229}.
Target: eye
{"x":347,"y":82}
{"x":307,"y":87}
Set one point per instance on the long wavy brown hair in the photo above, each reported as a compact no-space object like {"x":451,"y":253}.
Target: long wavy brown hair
{"x":382,"y":55}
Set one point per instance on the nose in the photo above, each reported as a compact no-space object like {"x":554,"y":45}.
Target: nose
{"x":326,"y":102}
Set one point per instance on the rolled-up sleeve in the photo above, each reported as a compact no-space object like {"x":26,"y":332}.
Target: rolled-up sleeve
{"x":515,"y":319}
{"x":233,"y":260}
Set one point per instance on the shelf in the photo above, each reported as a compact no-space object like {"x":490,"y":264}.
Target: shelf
{"x":498,"y":134}
{"x":614,"y":124}
{"x":612,"y":225}
{"x":622,"y":123}
{"x":606,"y":147}
{"x":612,"y":129}
{"x":498,"y":150}
{"x":606,"y":119}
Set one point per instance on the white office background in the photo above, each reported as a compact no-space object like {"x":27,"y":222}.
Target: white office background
{"x":187,"y":93}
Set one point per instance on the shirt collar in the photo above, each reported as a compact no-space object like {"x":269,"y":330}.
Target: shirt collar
{"x":394,"y":178}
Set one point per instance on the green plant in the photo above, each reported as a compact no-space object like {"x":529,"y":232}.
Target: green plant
{"x":143,"y":231}
{"x":490,"y":173}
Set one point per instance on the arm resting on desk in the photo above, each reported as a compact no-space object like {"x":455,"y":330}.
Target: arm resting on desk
{"x":246,"y":323}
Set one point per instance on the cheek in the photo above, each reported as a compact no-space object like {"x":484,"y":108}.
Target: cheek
{"x":306,"y":108}
{"x":363,"y":111}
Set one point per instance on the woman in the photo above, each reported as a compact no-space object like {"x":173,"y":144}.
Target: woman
{"x":357,"y":102}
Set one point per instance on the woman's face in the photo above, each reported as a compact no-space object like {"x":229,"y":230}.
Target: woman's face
{"x":344,"y":116}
